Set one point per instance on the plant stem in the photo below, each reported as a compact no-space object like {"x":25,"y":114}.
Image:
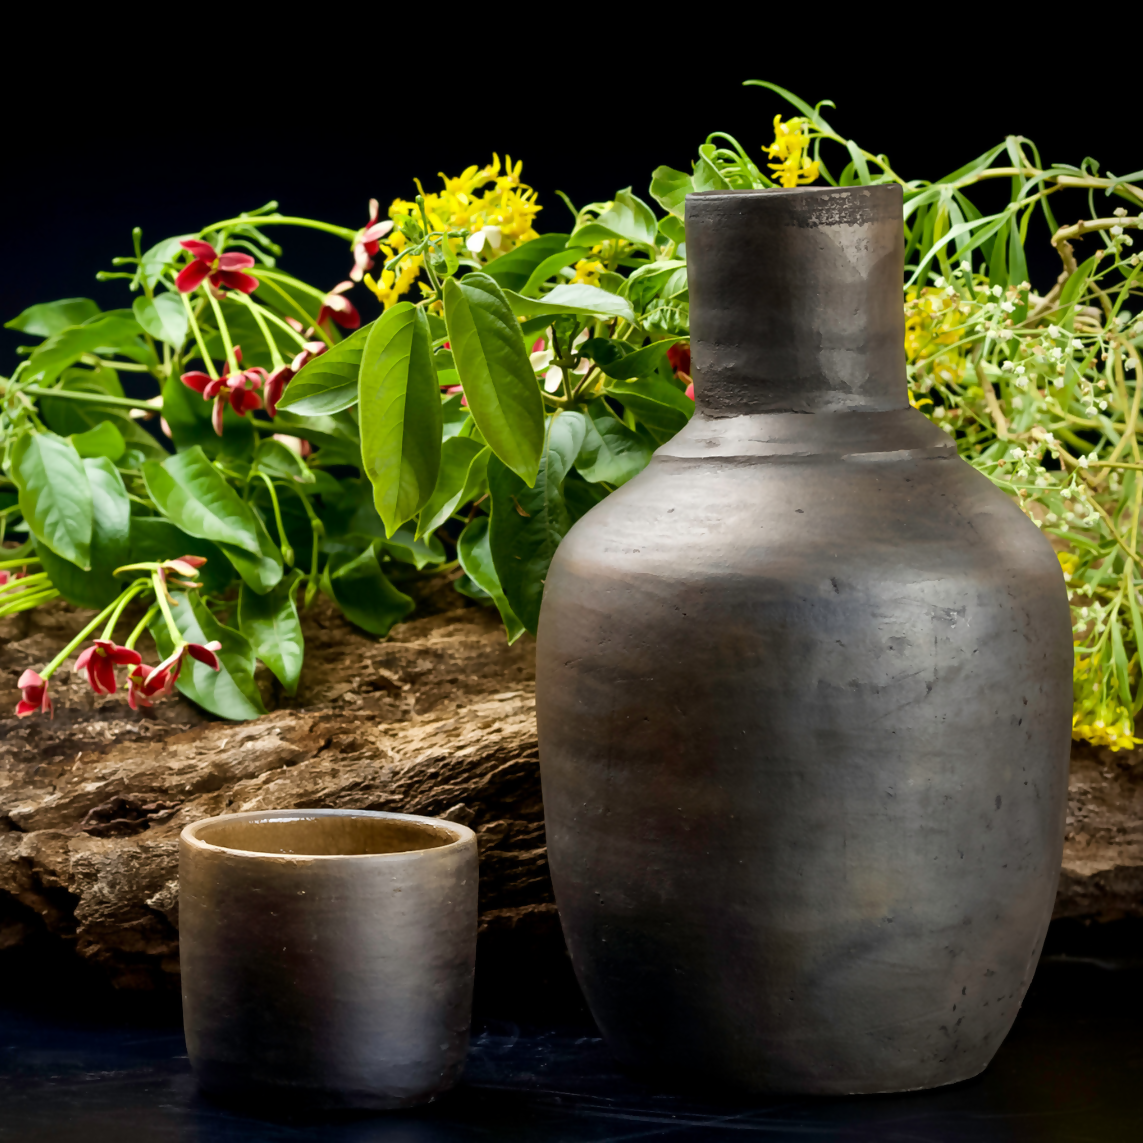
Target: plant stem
{"x":128,"y":593}
{"x":231,"y":360}
{"x":89,"y":398}
{"x":284,"y":220}
{"x":212,"y":373}
{"x":283,"y":543}
{"x":142,"y":625}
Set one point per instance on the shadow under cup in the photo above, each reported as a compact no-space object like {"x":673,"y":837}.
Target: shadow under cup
{"x":327,"y":955}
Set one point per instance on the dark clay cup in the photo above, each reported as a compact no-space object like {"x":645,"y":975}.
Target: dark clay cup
{"x":327,"y":955}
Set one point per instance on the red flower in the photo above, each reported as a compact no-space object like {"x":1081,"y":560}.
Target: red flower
{"x":100,"y":661}
{"x":221,"y":269}
{"x":691,"y":391}
{"x":278,"y":380}
{"x":679,"y":357}
{"x":367,"y":245}
{"x":340,"y":309}
{"x":144,"y":682}
{"x":35,"y":697}
{"x":237,"y":388}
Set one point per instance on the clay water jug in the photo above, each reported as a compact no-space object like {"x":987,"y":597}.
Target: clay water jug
{"x":804,"y":695}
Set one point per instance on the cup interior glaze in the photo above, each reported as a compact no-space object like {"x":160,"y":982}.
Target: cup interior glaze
{"x":322,"y":834}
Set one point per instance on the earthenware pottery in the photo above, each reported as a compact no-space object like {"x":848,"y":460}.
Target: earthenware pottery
{"x":327,"y":955}
{"x":804,"y":693}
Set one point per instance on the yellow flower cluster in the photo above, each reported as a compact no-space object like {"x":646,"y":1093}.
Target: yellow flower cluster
{"x":504,"y":212}
{"x":1099,"y":720}
{"x":395,"y":283}
{"x":932,"y":322}
{"x":587,"y":271}
{"x":791,"y":148}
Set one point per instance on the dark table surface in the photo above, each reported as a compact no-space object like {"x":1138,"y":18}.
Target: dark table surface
{"x":1070,"y":1072}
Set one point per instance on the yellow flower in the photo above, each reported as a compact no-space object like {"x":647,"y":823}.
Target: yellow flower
{"x":587,"y":271}
{"x":930,"y":325}
{"x":791,"y":148}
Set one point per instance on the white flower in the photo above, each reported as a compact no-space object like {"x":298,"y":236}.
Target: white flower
{"x":1076,"y":343}
{"x":1054,"y":331}
{"x":552,"y":379}
{"x":1058,"y":382}
{"x":1049,"y":439}
{"x":1089,"y":411}
{"x":1006,"y":335}
{"x":1103,"y":405}
{"x":1116,"y":231}
{"x":996,"y":291}
{"x":966,"y":266}
{"x":1019,"y":453}
{"x":490,"y":234}
{"x":1007,"y":307}
{"x":939,"y":282}
{"x":1120,"y":212}
{"x":1082,"y":462}
{"x":1020,"y":370}
{"x":1006,"y":367}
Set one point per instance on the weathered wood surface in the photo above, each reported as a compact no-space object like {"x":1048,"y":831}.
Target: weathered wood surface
{"x":438,"y":719}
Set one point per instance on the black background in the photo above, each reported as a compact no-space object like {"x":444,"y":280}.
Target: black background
{"x":113,"y":133}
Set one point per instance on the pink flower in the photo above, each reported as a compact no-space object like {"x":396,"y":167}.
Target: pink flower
{"x":339,"y":308}
{"x":240,"y":389}
{"x":100,"y":660}
{"x":35,"y":696}
{"x":278,"y":380}
{"x":690,"y":391}
{"x":297,"y":445}
{"x":366,"y":247}
{"x":221,"y":269}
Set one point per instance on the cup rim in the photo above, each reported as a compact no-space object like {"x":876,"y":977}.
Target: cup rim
{"x":461,"y":834}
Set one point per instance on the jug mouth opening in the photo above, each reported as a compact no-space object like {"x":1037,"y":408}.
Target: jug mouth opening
{"x":323,"y":834}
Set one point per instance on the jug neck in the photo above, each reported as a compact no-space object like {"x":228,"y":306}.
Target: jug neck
{"x":795,"y":300}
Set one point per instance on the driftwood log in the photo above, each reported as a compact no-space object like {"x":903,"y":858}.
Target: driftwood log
{"x":437,"y":719}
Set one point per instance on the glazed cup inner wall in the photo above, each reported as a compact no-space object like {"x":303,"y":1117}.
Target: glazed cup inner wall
{"x":323,"y":836}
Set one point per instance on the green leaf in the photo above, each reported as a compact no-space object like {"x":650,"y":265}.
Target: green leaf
{"x":707,"y":176}
{"x":154,"y":539}
{"x":671,"y":229}
{"x":55,"y":496}
{"x":552,"y":265}
{"x":529,"y":523}
{"x":513,"y":270}
{"x":498,"y":379}
{"x":229,"y":692}
{"x":110,"y":332}
{"x":474,"y":551}
{"x":155,"y":260}
{"x":457,"y":455}
{"x":53,"y":317}
{"x":400,"y":414}
{"x":328,"y":383}
{"x":628,"y":217}
{"x":164,"y":317}
{"x":581,"y":497}
{"x":274,"y":459}
{"x":363,"y":591}
{"x":110,"y":542}
{"x":261,"y":571}
{"x":571,"y":298}
{"x":654,"y":403}
{"x":403,"y":545}
{"x":640,"y":363}
{"x":336,"y":435}
{"x":1119,"y":655}
{"x":192,"y":493}
{"x":271,"y":624}
{"x":102,"y":440}
{"x":669,"y":188}
{"x":611,"y":452}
